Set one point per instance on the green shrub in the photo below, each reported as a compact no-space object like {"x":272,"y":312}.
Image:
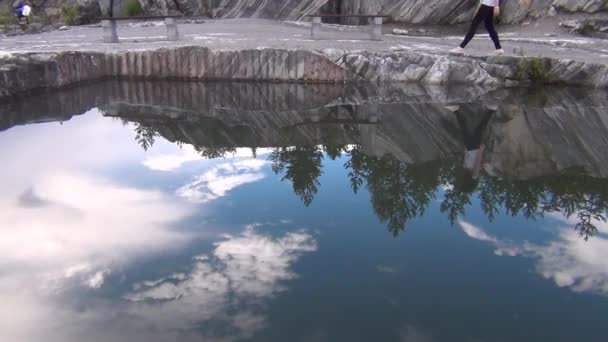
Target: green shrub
{"x":69,"y":14}
{"x":133,"y":8}
{"x":7,"y":18}
{"x":535,"y":69}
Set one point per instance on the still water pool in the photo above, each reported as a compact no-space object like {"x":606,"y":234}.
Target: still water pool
{"x":134,"y":211}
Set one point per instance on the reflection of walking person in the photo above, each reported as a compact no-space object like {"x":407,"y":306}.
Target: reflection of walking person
{"x":472,"y":128}
{"x":472,"y":137}
{"x":486,"y":12}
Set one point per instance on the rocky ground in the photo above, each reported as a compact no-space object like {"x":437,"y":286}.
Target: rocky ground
{"x":258,"y":33}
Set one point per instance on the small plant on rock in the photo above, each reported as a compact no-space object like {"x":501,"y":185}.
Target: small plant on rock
{"x":7,"y":19}
{"x":69,"y":15}
{"x":133,"y":8}
{"x":535,"y":69}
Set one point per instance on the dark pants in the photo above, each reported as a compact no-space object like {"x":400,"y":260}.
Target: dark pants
{"x":473,"y":135}
{"x":485,"y":14}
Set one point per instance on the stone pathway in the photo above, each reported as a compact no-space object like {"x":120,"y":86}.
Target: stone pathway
{"x":237,"y":34}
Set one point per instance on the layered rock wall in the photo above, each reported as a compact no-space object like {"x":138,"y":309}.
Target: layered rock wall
{"x":26,"y":72}
{"x":271,"y":9}
{"x":408,"y":11}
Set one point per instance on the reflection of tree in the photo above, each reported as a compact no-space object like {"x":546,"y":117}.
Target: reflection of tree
{"x":145,"y":135}
{"x":211,"y":152}
{"x":458,"y":185}
{"x":572,"y":195}
{"x":302,"y":166}
{"x":398,"y":191}
{"x":401,"y":192}
{"x":333,"y":151}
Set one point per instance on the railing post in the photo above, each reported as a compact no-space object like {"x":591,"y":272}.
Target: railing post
{"x":172,"y":33}
{"x":109,"y":31}
{"x":376,"y":31}
{"x":315,"y":28}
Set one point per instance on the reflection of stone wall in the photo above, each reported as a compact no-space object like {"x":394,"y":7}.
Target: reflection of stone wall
{"x":532,"y":133}
{"x":560,"y":129}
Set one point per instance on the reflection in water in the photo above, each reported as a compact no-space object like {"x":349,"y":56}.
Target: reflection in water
{"x":568,"y":261}
{"x":89,"y":224}
{"x":530,"y":153}
{"x":220,"y":179}
{"x":403,"y":143}
{"x":228,"y":288}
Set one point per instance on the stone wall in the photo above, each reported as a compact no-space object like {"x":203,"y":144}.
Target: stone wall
{"x":25,"y":72}
{"x":408,"y":11}
{"x":271,"y":9}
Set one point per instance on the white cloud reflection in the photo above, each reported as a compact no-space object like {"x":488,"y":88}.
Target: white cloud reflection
{"x":242,"y":272}
{"x":569,"y":261}
{"x":69,"y":222}
{"x":222,"y":178}
{"x":222,"y":297}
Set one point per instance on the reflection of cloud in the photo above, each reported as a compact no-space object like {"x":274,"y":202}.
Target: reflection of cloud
{"x":411,"y":333}
{"x":97,"y":279}
{"x":69,"y":219}
{"x":242,"y":271}
{"x":83,"y":220}
{"x":173,"y":161}
{"x":66,"y":224}
{"x":386,"y":269}
{"x":568,"y":261}
{"x":475,"y":232}
{"x":222,"y":178}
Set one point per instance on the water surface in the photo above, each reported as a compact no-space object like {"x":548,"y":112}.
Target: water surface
{"x":136,"y":211}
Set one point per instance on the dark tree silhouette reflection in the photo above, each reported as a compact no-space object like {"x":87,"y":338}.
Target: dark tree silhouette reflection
{"x":401,"y":192}
{"x":302,"y":166}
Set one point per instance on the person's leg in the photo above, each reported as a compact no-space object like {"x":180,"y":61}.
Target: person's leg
{"x":473,"y":29}
{"x":469,"y":138}
{"x":489,"y":22}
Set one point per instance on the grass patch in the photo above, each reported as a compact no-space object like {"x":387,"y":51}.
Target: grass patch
{"x":535,"y":69}
{"x":7,"y":18}
{"x":69,"y":15}
{"x":133,"y":8}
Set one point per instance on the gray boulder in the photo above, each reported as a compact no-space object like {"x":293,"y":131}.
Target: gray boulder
{"x":587,"y":27}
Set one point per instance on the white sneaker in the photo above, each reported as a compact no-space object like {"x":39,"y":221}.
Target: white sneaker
{"x":498,"y":52}
{"x":457,"y":51}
